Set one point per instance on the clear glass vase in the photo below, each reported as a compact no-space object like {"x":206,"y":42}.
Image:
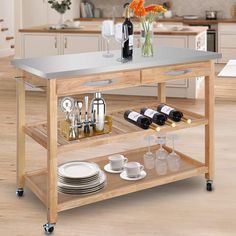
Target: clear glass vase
{"x":61,"y":19}
{"x":147,"y":39}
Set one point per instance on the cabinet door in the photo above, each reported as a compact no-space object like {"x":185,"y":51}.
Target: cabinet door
{"x":34,"y":13}
{"x":79,"y":43}
{"x":37,"y":45}
{"x":179,"y":42}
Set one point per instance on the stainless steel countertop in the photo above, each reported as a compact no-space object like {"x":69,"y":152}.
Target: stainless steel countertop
{"x":75,"y":65}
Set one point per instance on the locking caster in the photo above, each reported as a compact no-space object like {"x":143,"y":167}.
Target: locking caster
{"x":20,"y":192}
{"x":48,"y":228}
{"x":209,"y":185}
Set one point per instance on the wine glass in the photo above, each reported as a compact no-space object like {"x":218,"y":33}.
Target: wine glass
{"x":161,"y":154}
{"x":121,"y":36}
{"x":173,"y":159}
{"x":107,"y":33}
{"x":149,"y":157}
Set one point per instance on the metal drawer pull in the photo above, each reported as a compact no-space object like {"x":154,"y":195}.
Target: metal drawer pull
{"x":177,"y":72}
{"x":98,"y":83}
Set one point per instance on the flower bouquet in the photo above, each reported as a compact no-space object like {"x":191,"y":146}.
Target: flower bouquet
{"x":147,"y":16}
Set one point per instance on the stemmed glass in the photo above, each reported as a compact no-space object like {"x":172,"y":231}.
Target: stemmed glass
{"x":173,"y":159}
{"x":121,"y":36}
{"x":161,"y":154}
{"x":149,"y":157}
{"x":107,"y":33}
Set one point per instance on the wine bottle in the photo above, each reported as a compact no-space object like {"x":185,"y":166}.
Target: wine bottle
{"x":155,"y":116}
{"x":171,"y":112}
{"x":127,"y":49}
{"x":137,"y":119}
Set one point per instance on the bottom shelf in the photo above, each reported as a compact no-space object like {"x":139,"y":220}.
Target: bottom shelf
{"x":189,"y":167}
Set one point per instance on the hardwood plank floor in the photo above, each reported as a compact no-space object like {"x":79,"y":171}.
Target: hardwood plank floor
{"x":178,"y":209}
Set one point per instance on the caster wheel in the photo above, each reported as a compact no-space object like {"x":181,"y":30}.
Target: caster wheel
{"x":48,"y":228}
{"x":209,"y":185}
{"x":20,"y":192}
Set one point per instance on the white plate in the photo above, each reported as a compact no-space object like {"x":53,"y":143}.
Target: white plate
{"x":124,"y":176}
{"x":102,"y":178}
{"x":78,"y":169}
{"x":107,"y":168}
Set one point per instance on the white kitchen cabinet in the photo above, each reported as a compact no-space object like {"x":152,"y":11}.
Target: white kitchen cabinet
{"x":37,"y":45}
{"x":79,"y":43}
{"x":227,"y":42}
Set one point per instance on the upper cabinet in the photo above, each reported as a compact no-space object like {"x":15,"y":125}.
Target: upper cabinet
{"x":39,"y":12}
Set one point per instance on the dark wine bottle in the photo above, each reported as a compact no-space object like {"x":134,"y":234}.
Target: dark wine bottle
{"x":171,"y":112}
{"x":137,"y":119}
{"x":127,"y":49}
{"x":155,"y":116}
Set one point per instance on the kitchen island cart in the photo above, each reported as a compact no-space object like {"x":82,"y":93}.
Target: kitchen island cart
{"x":91,"y":72}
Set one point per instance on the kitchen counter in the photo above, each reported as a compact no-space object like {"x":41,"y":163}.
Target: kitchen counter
{"x":94,"y":29}
{"x":199,"y":21}
{"x":93,"y":63}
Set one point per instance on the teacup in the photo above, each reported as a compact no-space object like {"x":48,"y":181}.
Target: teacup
{"x":133,"y":169}
{"x":117,"y":161}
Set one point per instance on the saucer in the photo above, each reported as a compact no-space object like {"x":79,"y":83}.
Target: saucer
{"x":107,"y":168}
{"x":124,"y":176}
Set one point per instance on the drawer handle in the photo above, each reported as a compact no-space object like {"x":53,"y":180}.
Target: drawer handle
{"x":178,"y":72}
{"x":98,"y":83}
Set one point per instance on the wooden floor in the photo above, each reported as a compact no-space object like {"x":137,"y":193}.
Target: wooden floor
{"x":178,"y":209}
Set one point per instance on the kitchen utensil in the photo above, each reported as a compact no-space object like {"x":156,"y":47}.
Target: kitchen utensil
{"x":149,"y":157}
{"x":191,"y":17}
{"x":133,"y":169}
{"x":211,"y":15}
{"x":124,"y":176}
{"x":79,"y":106}
{"x":161,"y":153}
{"x":108,"y":169}
{"x":98,"y":112}
{"x":121,"y":36}
{"x":86,"y":121}
{"x":67,"y":105}
{"x":161,"y":166}
{"x":173,"y":159}
{"x":73,"y":128}
{"x":107,"y":33}
{"x":117,"y":161}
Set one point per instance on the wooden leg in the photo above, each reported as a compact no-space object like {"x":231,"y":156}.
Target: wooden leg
{"x":209,"y":128}
{"x":52,"y":195}
{"x":20,"y":133}
{"x":161,"y":92}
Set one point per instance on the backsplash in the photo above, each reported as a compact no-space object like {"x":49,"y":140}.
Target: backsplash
{"x":180,"y":7}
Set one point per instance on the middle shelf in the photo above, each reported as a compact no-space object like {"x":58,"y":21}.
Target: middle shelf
{"x":121,"y":131}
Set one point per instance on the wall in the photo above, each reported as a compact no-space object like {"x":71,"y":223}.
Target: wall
{"x":7,"y":14}
{"x":180,"y":7}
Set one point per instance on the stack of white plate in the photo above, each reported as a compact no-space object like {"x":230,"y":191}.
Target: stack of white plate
{"x":80,"y":178}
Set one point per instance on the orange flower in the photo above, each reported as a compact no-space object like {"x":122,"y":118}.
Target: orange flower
{"x":140,"y":12}
{"x":136,"y":4}
{"x":155,"y":8}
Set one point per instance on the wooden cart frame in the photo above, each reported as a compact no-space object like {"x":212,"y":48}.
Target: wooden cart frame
{"x":56,"y":202}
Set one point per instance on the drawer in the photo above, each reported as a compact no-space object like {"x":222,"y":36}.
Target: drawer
{"x":228,"y":41}
{"x":100,"y":82}
{"x":169,"y":73}
{"x":227,"y":54}
{"x":227,"y":28}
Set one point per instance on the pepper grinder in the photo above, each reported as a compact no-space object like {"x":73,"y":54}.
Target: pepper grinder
{"x":86,"y":121}
{"x":98,"y":111}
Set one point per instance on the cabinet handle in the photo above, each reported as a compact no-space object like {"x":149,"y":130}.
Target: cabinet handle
{"x":177,"y":72}
{"x":98,"y":83}
{"x":65,"y":42}
{"x":55,"y":42}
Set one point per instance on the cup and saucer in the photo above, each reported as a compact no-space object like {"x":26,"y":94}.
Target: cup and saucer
{"x":133,"y":171}
{"x":116,"y":164}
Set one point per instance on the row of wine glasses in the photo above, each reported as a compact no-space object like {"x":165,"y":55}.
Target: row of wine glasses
{"x":120,"y":31}
{"x":162,"y":161}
